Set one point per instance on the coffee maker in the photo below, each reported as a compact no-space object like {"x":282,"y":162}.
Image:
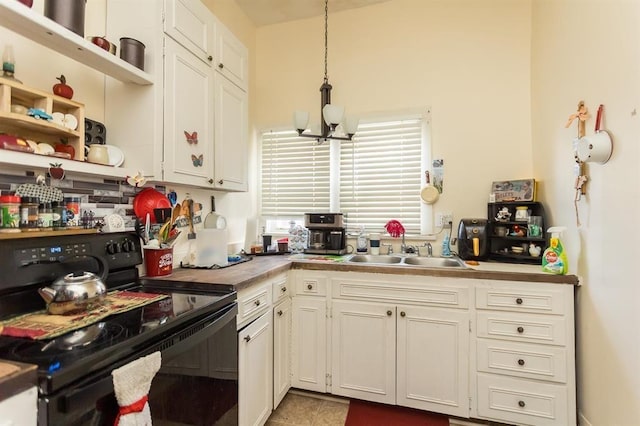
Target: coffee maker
{"x":472,"y":239}
{"x":326,"y":233}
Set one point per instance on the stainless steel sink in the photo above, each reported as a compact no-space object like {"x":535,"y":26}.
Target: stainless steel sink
{"x":435,"y":262}
{"x":370,"y":258}
{"x":393,"y":260}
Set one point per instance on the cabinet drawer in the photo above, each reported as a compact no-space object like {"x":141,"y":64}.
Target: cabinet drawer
{"x":522,"y":360}
{"x":520,"y":401}
{"x":280,"y":289}
{"x":513,"y":298}
{"x":545,"y":329}
{"x":252,"y":303}
{"x":311,"y":286}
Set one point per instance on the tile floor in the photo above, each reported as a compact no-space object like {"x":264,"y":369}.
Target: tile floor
{"x":303,"y":410}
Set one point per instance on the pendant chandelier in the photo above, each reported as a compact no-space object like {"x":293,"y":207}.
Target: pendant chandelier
{"x":332,"y":115}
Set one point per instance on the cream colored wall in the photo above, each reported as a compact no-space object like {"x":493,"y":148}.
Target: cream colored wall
{"x":591,"y":51}
{"x":468,"y":60}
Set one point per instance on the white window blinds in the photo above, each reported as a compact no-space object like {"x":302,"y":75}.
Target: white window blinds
{"x":380,"y":175}
{"x":295,"y":175}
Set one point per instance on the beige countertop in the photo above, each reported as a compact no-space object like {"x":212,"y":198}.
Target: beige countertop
{"x":15,"y":377}
{"x":263,"y":267}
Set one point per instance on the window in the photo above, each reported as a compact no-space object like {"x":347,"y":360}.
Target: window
{"x":374,"y":178}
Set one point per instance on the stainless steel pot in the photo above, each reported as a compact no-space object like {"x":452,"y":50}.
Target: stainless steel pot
{"x":78,"y":291}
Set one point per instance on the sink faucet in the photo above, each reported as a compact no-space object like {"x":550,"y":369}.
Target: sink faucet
{"x":404,"y":248}
{"x":429,"y":249}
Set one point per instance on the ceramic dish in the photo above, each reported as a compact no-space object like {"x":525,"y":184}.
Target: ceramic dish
{"x":45,"y":148}
{"x":116,"y":156}
{"x":517,"y":250}
{"x":58,"y":118}
{"x":70,"y":122}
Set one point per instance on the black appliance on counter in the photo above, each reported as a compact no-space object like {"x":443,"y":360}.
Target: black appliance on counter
{"x":473,"y":236}
{"x":194,"y":328}
{"x":327,"y":234}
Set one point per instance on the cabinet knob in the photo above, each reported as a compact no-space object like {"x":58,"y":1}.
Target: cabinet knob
{"x":220,"y":65}
{"x":521,"y":404}
{"x":521,"y":362}
{"x":210,"y":181}
{"x":210,"y":58}
{"x":520,"y":329}
{"x":280,"y":313}
{"x":247,"y":338}
{"x":519,"y":301}
{"x":257,"y":302}
{"x":309,"y":287}
{"x":389,"y":313}
{"x":403,"y":314}
{"x":220,"y":182}
{"x":283,"y":289}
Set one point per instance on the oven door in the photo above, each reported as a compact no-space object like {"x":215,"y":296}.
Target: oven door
{"x":197,"y":383}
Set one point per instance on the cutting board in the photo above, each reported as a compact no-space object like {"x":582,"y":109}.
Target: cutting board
{"x":210,"y":248}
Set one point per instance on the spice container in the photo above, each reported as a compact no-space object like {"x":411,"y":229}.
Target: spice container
{"x":9,"y":213}
{"x":72,"y":205}
{"x":29,"y":212}
{"x":45,"y":216}
{"x":59,"y":217}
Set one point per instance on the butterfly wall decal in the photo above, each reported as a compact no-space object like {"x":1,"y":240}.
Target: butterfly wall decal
{"x":197,"y":160}
{"x":192,"y":138}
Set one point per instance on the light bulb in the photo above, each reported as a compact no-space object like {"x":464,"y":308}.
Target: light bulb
{"x":332,"y":114}
{"x":300,"y":120}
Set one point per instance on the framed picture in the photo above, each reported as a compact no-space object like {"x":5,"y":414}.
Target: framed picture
{"x":514,"y":190}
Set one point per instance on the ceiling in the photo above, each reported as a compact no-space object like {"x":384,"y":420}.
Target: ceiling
{"x":267,"y":12}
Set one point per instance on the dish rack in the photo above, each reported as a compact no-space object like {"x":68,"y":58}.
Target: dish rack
{"x":40,"y":130}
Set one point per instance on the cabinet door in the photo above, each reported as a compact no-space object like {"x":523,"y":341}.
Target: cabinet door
{"x":232,"y":57}
{"x":364,"y":351}
{"x":255,"y":371}
{"x":282,"y":316}
{"x":20,"y":409}
{"x":188,"y":137}
{"x":192,"y":25}
{"x":231,"y":112}
{"x":309,"y":344}
{"x":433,"y":359}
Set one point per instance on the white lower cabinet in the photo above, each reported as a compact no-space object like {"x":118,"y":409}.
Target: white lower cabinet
{"x":495,"y":350}
{"x":255,"y":371}
{"x":282,"y":322}
{"x":20,"y":409}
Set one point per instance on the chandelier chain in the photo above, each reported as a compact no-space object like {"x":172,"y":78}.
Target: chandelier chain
{"x":326,"y":37}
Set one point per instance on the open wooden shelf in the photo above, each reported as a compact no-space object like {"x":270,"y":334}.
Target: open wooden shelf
{"x":37,"y":234}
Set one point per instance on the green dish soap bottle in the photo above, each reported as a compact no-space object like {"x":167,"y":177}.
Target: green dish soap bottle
{"x":554,"y":259}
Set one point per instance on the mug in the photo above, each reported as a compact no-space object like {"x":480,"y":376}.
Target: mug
{"x":374,"y":242}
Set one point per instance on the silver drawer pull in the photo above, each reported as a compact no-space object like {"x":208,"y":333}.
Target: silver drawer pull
{"x":389,"y":313}
{"x":519,"y":301}
{"x":521,"y":404}
{"x":309,"y":287}
{"x":520,"y":329}
{"x":521,"y":362}
{"x":402,"y":314}
{"x":257,"y":302}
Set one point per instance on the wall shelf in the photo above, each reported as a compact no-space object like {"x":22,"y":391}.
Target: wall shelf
{"x":24,"y":21}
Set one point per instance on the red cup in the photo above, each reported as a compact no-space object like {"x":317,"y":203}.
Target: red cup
{"x":158,"y":262}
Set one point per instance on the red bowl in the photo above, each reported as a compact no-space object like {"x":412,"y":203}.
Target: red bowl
{"x":147,"y":200}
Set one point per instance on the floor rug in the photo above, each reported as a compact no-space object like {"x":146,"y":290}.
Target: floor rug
{"x":364,"y":413}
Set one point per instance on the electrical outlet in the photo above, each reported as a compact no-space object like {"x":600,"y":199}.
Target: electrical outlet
{"x":444,"y":220}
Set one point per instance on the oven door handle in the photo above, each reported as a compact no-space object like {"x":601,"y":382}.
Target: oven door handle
{"x":84,"y":395}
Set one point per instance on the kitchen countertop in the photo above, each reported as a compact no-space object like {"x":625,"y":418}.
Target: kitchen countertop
{"x":262,"y":267}
{"x":15,"y":377}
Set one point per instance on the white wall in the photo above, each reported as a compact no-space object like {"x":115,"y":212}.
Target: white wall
{"x":468,"y":60}
{"x":590,"y":50}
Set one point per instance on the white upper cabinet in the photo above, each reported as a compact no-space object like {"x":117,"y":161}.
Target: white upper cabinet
{"x":232,"y":57}
{"x":192,"y":25}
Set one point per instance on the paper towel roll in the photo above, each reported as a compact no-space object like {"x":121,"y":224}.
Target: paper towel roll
{"x":210,"y":248}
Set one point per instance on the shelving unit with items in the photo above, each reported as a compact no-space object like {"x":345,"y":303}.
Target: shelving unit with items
{"x":38,"y":129}
{"x":511,"y":239}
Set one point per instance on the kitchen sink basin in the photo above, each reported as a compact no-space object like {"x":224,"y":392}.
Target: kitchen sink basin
{"x":435,"y":262}
{"x":371,"y":258}
{"x":394,"y":260}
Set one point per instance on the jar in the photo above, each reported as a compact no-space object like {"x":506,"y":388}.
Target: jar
{"x":72,"y":209}
{"x":59,"y":217}
{"x":29,"y":212}
{"x":10,"y":213}
{"x":522,"y":213}
{"x":45,"y":215}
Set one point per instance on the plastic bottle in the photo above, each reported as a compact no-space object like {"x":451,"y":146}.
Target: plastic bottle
{"x":554,"y":259}
{"x":362,"y":241}
{"x":446,"y":248}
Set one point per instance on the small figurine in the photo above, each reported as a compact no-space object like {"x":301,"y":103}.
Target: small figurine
{"x":503,"y":215}
{"x":517,"y":231}
{"x":534,"y":250}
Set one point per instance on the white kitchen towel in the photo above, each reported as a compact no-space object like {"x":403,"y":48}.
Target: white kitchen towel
{"x":131,"y":384}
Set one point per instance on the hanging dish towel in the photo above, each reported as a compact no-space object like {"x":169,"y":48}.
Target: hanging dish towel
{"x":131,"y":384}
